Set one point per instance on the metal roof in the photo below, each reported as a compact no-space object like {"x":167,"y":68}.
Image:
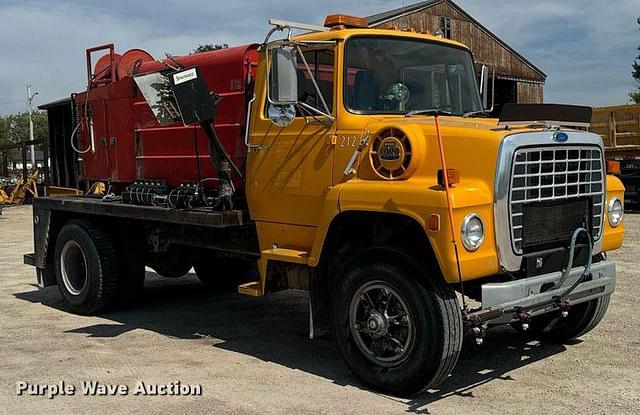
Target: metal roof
{"x":56,"y":103}
{"x":380,"y":18}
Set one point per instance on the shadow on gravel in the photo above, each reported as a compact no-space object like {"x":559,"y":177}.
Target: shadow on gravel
{"x":274,"y":329}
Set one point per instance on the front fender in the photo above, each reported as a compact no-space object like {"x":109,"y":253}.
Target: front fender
{"x":612,"y":237}
{"x":417,"y":199}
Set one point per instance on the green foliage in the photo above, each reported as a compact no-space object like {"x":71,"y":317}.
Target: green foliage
{"x":635,"y":66}
{"x":15,"y":128}
{"x":207,"y":47}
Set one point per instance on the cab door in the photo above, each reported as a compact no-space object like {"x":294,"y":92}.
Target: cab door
{"x":289,"y":169}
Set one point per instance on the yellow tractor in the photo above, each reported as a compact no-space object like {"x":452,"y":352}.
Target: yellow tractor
{"x":21,"y":189}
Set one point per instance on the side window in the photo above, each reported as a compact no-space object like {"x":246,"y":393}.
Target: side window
{"x":322,"y":66}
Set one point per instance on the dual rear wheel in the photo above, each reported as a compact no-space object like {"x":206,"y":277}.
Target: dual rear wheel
{"x":95,"y":269}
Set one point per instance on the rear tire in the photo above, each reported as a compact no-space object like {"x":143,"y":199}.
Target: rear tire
{"x":170,"y":264}
{"x":409,"y":353}
{"x":131,"y":267}
{"x":582,"y":318}
{"x":86,"y":267}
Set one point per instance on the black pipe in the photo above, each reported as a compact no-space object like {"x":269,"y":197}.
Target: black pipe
{"x":222,"y":164}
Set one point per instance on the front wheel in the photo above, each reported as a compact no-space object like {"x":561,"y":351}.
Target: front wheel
{"x":398,"y":328}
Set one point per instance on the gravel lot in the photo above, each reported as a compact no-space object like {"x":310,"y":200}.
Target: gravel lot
{"x":253,"y":355}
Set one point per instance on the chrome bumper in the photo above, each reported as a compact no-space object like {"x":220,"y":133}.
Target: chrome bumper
{"x":525,"y":293}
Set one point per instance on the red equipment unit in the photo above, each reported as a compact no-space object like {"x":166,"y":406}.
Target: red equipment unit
{"x":123,"y":142}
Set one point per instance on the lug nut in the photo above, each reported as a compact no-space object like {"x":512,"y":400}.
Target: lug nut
{"x":564,"y":314}
{"x":476,"y":330}
{"x":479,"y":341}
{"x":525,"y":326}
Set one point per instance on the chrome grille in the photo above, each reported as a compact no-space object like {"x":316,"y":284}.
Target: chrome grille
{"x":554,"y":173}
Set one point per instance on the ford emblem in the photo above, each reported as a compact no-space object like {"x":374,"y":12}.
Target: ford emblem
{"x":560,"y":137}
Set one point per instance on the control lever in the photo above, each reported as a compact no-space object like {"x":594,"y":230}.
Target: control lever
{"x":363,"y":144}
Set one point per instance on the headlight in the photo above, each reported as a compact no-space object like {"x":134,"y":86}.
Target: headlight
{"x":615,"y":212}
{"x":472,"y":232}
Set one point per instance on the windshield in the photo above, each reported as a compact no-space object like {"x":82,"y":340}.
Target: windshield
{"x":395,"y":76}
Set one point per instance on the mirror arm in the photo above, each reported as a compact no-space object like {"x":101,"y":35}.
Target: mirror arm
{"x":311,"y":109}
{"x":248,"y":120}
{"x":276,"y":28}
{"x":493,"y":89}
{"x":313,"y":79}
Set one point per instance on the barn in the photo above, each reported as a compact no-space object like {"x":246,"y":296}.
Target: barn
{"x":517,"y":79}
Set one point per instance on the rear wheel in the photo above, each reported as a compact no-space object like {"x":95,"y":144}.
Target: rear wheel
{"x":582,"y":318}
{"x":86,"y":267}
{"x":170,"y":264}
{"x":131,"y":268}
{"x":397,"y":330}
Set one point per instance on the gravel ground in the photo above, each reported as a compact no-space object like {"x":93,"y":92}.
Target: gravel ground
{"x":253,"y":355}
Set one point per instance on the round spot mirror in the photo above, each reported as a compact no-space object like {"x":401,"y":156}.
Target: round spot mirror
{"x":282,"y":115}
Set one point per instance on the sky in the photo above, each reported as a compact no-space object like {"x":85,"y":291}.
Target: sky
{"x":585,"y":47}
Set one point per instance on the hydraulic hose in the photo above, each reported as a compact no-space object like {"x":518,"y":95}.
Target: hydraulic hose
{"x":572,"y":249}
{"x":587,"y":270}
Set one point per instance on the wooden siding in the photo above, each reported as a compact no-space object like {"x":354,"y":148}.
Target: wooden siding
{"x":530,"y":93}
{"x":484,"y":47}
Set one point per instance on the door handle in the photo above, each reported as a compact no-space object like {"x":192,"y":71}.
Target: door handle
{"x":256,"y":148}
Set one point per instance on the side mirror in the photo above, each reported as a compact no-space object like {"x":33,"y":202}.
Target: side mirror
{"x":484,"y":85}
{"x":485,"y":78}
{"x":283,"y":79}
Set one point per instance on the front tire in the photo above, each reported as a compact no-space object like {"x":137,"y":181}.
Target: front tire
{"x":399,"y":329}
{"x":86,"y":267}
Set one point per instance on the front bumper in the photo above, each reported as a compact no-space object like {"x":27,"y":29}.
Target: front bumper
{"x":526,"y":294}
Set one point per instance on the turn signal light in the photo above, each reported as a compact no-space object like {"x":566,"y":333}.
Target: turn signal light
{"x":433,"y":222}
{"x":345,"y":20}
{"x":613,"y":167}
{"x":453,"y":175}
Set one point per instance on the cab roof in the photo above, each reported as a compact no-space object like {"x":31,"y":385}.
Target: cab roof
{"x":344,"y":34}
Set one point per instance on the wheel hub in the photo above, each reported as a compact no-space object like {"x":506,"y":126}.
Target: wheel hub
{"x":74,"y":268}
{"x":377,"y":324}
{"x":381,"y":323}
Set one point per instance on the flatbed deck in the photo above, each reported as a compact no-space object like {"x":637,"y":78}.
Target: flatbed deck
{"x":118,"y":209}
{"x":227,"y":231}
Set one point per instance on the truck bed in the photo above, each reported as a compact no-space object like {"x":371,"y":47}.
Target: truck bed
{"x":228,"y":231}
{"x":117,"y":209}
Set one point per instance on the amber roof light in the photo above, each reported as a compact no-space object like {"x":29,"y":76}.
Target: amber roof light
{"x":344,"y":20}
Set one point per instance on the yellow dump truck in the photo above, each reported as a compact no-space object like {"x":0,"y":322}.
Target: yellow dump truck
{"x":375,"y":180}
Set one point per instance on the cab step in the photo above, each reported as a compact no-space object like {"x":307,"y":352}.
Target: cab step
{"x":292,"y":256}
{"x":253,"y":289}
{"x":285,"y":255}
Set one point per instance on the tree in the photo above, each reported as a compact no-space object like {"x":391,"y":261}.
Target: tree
{"x":14,"y":128}
{"x":207,"y":47}
{"x":635,"y":95}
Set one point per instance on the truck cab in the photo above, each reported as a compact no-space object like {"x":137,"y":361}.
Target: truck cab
{"x":374,"y":178}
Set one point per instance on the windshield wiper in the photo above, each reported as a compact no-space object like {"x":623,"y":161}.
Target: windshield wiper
{"x":430,"y":111}
{"x":483,"y":113}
